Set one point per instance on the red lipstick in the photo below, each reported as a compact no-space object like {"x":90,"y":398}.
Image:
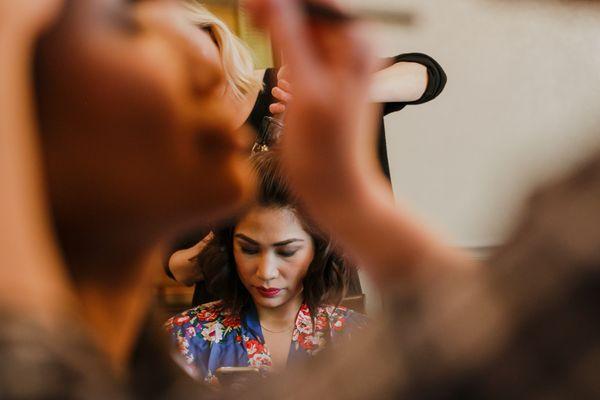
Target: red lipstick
{"x":269,"y":293}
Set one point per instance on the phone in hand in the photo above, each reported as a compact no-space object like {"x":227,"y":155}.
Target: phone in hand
{"x":237,"y":377}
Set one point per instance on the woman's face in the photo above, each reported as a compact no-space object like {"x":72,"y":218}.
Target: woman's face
{"x":206,"y":46}
{"x":134,"y":135}
{"x":272,"y":253}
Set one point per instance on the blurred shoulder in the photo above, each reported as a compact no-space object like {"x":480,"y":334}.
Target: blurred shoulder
{"x":342,"y":318}
{"x":201,"y":314}
{"x":211,"y":322}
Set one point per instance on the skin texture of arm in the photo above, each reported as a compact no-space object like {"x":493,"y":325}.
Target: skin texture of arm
{"x":31,"y":280}
{"x":401,"y":82}
{"x":183,"y":266}
{"x":330,"y":69}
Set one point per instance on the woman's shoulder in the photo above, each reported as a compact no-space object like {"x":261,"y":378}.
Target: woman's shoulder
{"x":341,"y":318}
{"x":203,"y":313}
{"x":212,"y":320}
{"x":337,"y":311}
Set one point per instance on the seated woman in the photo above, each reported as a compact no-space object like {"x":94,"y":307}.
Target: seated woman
{"x":280,"y":285}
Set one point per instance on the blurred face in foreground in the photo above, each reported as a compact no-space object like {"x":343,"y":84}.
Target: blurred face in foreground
{"x":272,"y":253}
{"x":134,"y":140}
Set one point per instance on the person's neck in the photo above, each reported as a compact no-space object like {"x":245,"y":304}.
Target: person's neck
{"x":281,"y":317}
{"x":114,"y":311}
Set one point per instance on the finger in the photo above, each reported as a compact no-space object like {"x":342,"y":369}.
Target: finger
{"x":284,"y":85}
{"x":256,"y":12}
{"x":283,"y":73}
{"x":281,"y":95}
{"x":277,"y":108}
{"x":343,"y":47}
{"x":207,"y":238}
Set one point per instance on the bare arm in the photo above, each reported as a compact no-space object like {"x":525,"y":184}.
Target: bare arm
{"x":401,"y":82}
{"x":182,"y":263}
{"x":32,"y":274}
{"x":380,"y":233}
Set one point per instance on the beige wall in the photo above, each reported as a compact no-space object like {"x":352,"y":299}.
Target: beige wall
{"x":522,"y":103}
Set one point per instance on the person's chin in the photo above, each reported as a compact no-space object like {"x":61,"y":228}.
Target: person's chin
{"x":267,"y":302}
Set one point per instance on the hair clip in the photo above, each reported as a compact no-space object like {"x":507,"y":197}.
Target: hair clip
{"x":269,"y":134}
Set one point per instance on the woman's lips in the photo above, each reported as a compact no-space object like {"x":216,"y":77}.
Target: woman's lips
{"x":271,"y":292}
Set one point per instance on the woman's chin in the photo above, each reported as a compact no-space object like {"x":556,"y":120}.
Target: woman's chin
{"x":266,"y":302}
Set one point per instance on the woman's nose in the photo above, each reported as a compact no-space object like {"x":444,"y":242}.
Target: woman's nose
{"x":267,"y":268}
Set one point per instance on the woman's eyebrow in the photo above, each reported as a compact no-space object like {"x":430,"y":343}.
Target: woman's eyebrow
{"x":286,"y":242}
{"x":278,"y":244}
{"x":246,"y":239}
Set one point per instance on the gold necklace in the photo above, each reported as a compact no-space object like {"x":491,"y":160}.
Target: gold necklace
{"x":271,"y":331}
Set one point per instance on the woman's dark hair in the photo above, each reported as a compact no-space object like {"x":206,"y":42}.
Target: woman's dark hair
{"x":328,"y":275}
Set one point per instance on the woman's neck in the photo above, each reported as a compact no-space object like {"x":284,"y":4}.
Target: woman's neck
{"x":281,"y":317}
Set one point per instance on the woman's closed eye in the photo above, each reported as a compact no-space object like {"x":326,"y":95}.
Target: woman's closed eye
{"x":287,"y":252}
{"x":249,"y":249}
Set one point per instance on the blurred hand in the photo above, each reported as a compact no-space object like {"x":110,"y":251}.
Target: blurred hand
{"x":27,"y":18}
{"x":40,"y":282}
{"x":329,"y":126}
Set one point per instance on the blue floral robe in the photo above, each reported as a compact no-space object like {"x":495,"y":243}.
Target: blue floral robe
{"x":210,"y":336}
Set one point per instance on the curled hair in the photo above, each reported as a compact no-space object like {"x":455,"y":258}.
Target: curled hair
{"x":328,"y":275}
{"x":235,"y":55}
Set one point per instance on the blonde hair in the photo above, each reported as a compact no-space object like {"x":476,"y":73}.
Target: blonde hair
{"x":235,"y":55}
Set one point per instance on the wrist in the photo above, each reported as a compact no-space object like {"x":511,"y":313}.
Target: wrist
{"x":15,"y":46}
{"x":337,"y":179}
